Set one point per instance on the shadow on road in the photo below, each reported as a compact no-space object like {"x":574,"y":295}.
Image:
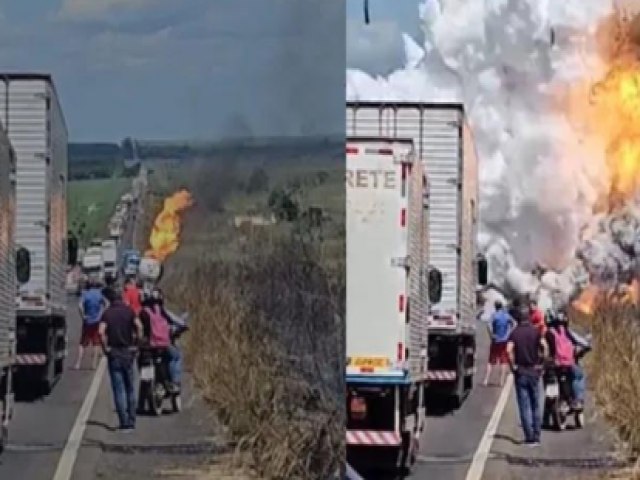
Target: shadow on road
{"x":95,"y":423}
{"x":508,"y":438}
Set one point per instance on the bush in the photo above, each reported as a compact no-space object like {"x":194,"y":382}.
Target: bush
{"x":266,"y":349}
{"x":614,"y":368}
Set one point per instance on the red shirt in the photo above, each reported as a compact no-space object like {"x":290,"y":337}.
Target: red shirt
{"x":132,"y":298}
{"x":537,"y":320}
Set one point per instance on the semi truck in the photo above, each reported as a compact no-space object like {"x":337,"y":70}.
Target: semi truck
{"x":389,"y":287}
{"x":444,"y":145}
{"x":7,"y":284}
{"x":32,"y":116}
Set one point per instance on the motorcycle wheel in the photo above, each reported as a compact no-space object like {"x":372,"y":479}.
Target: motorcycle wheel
{"x":143,"y":397}
{"x":579,"y":419}
{"x":559,"y":419}
{"x":156,"y":396}
{"x":176,"y":403}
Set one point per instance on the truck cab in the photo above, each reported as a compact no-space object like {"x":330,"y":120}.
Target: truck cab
{"x":130,"y":263}
{"x":92,"y":264}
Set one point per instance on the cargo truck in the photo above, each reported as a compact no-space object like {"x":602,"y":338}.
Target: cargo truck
{"x":389,"y":286}
{"x":7,"y":284}
{"x":30,"y":112}
{"x":444,"y":145}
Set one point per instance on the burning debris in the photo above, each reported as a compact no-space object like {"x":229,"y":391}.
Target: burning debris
{"x":164,"y":238}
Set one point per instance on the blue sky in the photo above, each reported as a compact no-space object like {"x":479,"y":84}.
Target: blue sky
{"x":378,"y":47}
{"x":167,"y":69}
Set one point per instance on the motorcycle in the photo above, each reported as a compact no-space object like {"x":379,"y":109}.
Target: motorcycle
{"x":558,"y":399}
{"x":155,"y":385}
{"x":155,"y":381}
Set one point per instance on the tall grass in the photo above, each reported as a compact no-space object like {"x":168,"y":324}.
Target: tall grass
{"x":614,"y":369}
{"x":266,"y":345}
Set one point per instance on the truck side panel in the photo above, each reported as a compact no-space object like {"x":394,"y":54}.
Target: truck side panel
{"x":436,"y":132}
{"x":27,"y":127}
{"x":58,"y":201}
{"x":7,"y":256}
{"x":418,"y":301}
{"x":469,"y":229}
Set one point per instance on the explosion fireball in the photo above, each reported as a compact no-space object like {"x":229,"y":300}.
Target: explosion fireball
{"x":164,"y":238}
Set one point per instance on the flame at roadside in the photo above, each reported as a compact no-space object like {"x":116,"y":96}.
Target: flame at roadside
{"x":164,"y":238}
{"x":611,"y":119}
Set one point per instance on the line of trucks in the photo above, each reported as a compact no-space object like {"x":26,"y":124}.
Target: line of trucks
{"x":413,"y":272}
{"x":33,"y":237}
{"x":101,"y":256}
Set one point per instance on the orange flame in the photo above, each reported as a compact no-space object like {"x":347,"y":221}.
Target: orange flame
{"x":623,"y":294}
{"x":166,"y":228}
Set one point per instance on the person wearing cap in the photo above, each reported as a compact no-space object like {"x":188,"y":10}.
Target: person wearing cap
{"x":537,"y":317}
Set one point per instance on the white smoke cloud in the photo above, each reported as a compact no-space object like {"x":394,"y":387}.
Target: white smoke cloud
{"x":539,"y":176}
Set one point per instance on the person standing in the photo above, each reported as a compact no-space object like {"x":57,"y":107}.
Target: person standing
{"x":537,"y":317}
{"x":132,"y":296}
{"x":92,"y":305}
{"x":119,"y":330}
{"x":499,"y":330}
{"x":526,"y":349}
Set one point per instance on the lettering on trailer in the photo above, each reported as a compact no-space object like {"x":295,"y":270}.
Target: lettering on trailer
{"x":362,"y":178}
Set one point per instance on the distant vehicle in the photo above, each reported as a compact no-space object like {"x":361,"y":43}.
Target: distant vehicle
{"x":92,"y":264}
{"x":37,"y":129}
{"x":130,"y":263}
{"x":109,"y":258}
{"x":96,"y":242}
{"x":7,"y":291}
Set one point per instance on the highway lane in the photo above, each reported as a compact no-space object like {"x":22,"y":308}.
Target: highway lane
{"x":40,"y":426}
{"x":452,"y":436}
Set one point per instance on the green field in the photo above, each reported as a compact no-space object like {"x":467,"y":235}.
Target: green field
{"x":91,"y":204}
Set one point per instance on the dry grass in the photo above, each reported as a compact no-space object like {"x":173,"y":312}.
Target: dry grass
{"x":613,"y":370}
{"x":267,"y":332}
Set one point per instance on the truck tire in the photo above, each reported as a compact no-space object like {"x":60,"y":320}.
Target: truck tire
{"x":49,"y":376}
{"x":460,"y":390}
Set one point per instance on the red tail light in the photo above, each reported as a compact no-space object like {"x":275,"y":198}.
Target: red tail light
{"x":358,"y":408}
{"x":400,"y":351}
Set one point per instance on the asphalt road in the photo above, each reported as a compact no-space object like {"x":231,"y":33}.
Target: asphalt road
{"x":452,"y":438}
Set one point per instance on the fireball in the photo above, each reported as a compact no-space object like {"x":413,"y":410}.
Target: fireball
{"x":164,"y":238}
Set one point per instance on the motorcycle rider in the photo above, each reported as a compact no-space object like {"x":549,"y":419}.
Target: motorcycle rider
{"x":178,"y":326}
{"x":557,"y":335}
{"x":154,"y":320}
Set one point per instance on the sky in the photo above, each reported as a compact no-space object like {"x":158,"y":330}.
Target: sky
{"x":378,"y":48}
{"x":184,"y":69}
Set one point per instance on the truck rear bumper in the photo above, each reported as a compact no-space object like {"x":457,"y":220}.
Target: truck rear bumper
{"x":375,"y":438}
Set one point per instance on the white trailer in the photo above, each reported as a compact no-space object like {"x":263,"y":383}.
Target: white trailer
{"x":31,"y":113}
{"x":7,"y":283}
{"x":444,"y":144}
{"x":387,"y":300}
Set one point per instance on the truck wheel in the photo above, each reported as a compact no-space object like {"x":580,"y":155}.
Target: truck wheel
{"x":4,"y":437}
{"x":458,"y":396}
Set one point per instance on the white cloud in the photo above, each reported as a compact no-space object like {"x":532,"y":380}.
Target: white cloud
{"x":96,"y":9}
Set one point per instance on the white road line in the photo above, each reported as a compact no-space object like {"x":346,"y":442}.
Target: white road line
{"x":476,"y":468}
{"x":70,"y":452}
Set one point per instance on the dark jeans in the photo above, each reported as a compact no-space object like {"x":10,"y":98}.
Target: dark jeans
{"x":175,"y":364}
{"x":122,"y":384}
{"x":528,"y":396}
